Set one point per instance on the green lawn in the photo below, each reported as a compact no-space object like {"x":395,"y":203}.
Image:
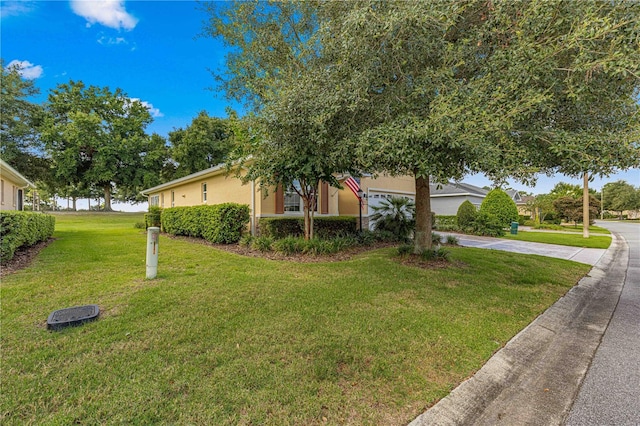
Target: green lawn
{"x":574,"y":240}
{"x":570,"y":228}
{"x":223,"y":339}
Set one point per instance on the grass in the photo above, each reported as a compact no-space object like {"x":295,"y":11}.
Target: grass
{"x":572,"y":228}
{"x":574,"y":240}
{"x":224,"y":339}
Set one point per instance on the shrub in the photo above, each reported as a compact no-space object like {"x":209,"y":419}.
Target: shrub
{"x":445,"y":223}
{"x":153,"y":218}
{"x":23,"y":229}
{"x":452,"y":240}
{"x":498,"y":203}
{"x":395,"y":215}
{"x":466,"y":214}
{"x":262,"y":244}
{"x":405,"y":249}
{"x":246,"y":240}
{"x":289,"y":245}
{"x":220,"y":223}
{"x":437,"y":253}
{"x":436,"y":239}
{"x":140,"y":225}
{"x":324,"y":227}
{"x":487,"y":224}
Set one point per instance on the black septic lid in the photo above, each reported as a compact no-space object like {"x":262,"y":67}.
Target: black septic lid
{"x":72,"y":316}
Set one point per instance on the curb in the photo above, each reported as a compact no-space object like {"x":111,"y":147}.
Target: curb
{"x":535,"y":377}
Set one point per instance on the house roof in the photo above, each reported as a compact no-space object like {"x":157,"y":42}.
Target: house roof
{"x":212,"y":171}
{"x":11,"y":173}
{"x":454,"y":189}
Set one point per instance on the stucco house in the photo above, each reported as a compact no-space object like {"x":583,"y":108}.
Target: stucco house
{"x":12,"y":186}
{"x":215,"y":186}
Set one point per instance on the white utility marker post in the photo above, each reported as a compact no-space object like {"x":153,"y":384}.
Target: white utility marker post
{"x":153,"y":234}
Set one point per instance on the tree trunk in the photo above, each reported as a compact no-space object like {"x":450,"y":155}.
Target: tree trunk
{"x":107,"y":199}
{"x":422,"y":237}
{"x":75,"y":200}
{"x":585,"y":207}
{"x":307,"y":234}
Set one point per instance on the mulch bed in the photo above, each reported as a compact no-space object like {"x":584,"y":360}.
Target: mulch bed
{"x":23,"y":258}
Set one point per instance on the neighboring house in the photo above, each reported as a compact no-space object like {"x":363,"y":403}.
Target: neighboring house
{"x":12,"y":186}
{"x":215,"y":186}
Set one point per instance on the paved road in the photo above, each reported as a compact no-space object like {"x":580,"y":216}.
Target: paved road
{"x":610,"y":393}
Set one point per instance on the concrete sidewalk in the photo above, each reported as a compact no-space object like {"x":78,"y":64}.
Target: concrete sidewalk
{"x":589,"y":256}
{"x":535,"y":378}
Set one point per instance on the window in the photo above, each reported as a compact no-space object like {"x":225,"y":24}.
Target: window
{"x":154,"y":200}
{"x":293,"y":203}
{"x":173,"y":199}
{"x":162,"y":200}
{"x":204,"y":192}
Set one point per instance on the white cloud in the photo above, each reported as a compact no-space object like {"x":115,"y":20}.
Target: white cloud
{"x":26,"y":69}
{"x":155,"y":112}
{"x":110,"y":13}
{"x":112,"y":40}
{"x":16,"y":8}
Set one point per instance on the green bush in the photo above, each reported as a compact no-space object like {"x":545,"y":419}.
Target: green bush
{"x":395,"y":215}
{"x":487,"y":224}
{"x":523,"y":218}
{"x":436,"y":239}
{"x":220,"y":223}
{"x":153,"y":218}
{"x":498,"y":203}
{"x":23,"y":229}
{"x":323,"y":227}
{"x":445,"y":223}
{"x":452,"y":240}
{"x":466,"y":214}
{"x":262,"y":244}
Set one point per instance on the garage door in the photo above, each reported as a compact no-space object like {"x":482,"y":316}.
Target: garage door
{"x":374,"y":198}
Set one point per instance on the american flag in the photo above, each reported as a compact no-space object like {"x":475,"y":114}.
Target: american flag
{"x":354,"y":186}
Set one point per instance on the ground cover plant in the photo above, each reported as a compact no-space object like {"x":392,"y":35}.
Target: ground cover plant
{"x":563,"y":239}
{"x":220,"y":338}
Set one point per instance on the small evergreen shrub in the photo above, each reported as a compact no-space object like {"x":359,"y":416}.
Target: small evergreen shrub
{"x":466,"y":214}
{"x":246,"y":240}
{"x":436,"y":239}
{"x":498,"y":203}
{"x":405,"y":249}
{"x":263,"y":244}
{"x":437,"y":253}
{"x":23,"y":229}
{"x":445,"y":223}
{"x":395,"y":215}
{"x":140,"y":225}
{"x":488,"y":225}
{"x":289,"y":245}
{"x":452,"y":240}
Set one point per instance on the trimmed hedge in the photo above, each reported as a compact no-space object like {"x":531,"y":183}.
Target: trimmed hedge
{"x":23,"y":229}
{"x":219,"y":223}
{"x":324,"y":227}
{"x":498,"y":203}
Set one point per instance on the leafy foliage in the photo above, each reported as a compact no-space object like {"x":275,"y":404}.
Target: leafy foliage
{"x":498,"y":203}
{"x":487,"y":224}
{"x":23,"y":229}
{"x":325,"y":227}
{"x":203,"y":144}
{"x":96,"y":138}
{"x":466,"y":214}
{"x":395,"y":215}
{"x":620,"y":196}
{"x":220,"y":223}
{"x":571,"y":209}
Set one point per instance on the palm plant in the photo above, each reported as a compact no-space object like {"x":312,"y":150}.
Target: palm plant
{"x":395,"y":215}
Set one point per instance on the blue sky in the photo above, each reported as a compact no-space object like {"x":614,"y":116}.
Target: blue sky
{"x":151,"y":51}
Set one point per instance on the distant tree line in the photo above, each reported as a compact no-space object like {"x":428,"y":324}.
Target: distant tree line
{"x":91,"y":142}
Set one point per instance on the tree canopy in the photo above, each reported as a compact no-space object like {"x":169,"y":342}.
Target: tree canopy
{"x":96,"y":138}
{"x":205,"y":143}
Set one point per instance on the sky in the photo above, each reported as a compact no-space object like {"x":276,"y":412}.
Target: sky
{"x":152,"y":51}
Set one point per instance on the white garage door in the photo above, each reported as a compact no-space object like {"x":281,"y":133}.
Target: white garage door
{"x":374,"y":198}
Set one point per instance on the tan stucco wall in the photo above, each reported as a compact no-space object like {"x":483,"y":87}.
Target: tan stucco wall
{"x":348,"y":203}
{"x":9,"y":200}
